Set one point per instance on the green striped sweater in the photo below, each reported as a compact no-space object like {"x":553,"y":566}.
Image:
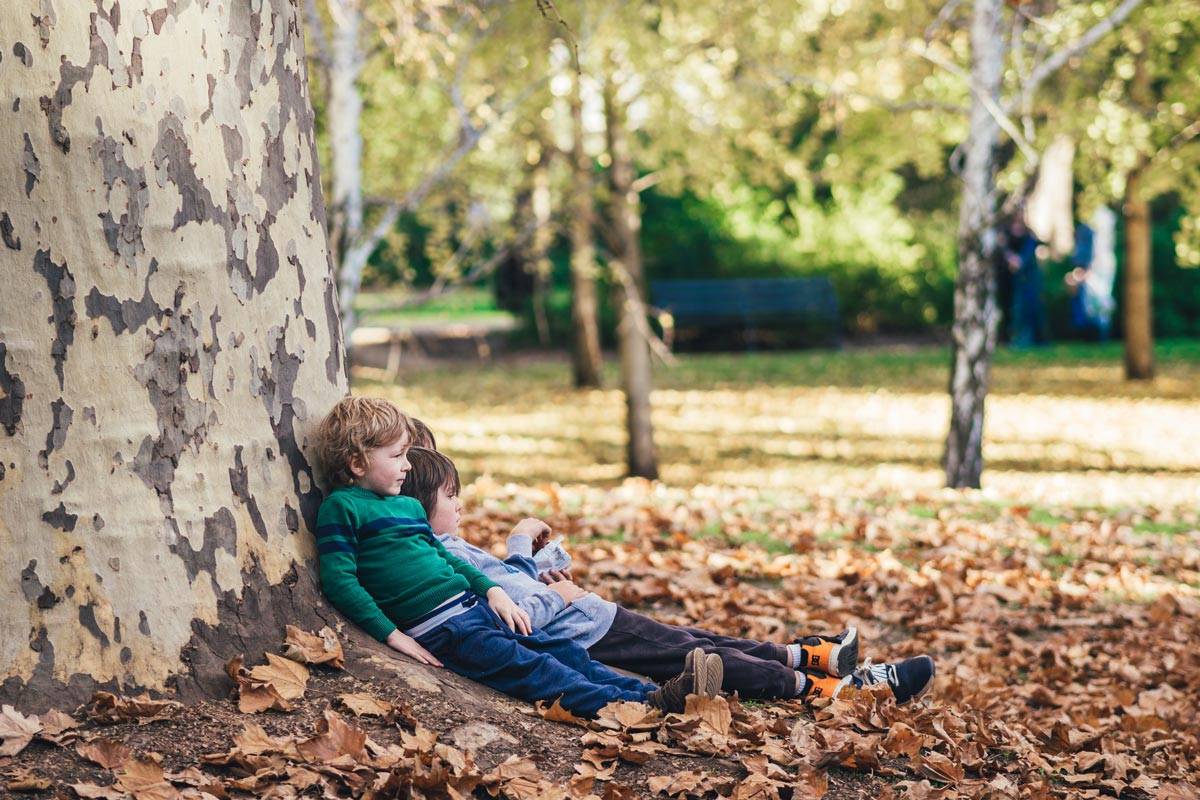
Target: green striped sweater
{"x":380,"y":563}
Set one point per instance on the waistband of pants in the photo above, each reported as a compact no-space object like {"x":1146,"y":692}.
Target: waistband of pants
{"x":459,"y":604}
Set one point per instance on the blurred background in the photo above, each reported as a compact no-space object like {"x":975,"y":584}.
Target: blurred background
{"x":719,"y":243}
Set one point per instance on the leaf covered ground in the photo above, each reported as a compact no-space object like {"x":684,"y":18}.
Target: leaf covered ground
{"x":1062,"y":605}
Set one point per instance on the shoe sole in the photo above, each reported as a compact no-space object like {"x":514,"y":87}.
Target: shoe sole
{"x":843,"y":658}
{"x":710,"y":676}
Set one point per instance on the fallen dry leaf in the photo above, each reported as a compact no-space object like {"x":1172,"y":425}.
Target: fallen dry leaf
{"x":26,"y":781}
{"x":313,"y":648}
{"x":556,"y":713}
{"x":335,"y":738}
{"x":91,"y":791}
{"x":58,"y":727}
{"x":365,"y":705}
{"x":108,"y":753}
{"x":143,"y":778}
{"x":16,"y":730}
{"x":109,"y":709}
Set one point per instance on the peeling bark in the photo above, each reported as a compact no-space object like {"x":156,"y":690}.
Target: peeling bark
{"x":976,"y":316}
{"x":626,"y":267}
{"x":163,"y":359}
{"x":586,"y":358}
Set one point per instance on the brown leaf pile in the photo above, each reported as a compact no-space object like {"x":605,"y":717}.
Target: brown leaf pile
{"x":1064,"y":640}
{"x":1063,"y":637}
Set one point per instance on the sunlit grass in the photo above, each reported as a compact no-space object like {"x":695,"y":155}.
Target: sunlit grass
{"x":1062,"y":426}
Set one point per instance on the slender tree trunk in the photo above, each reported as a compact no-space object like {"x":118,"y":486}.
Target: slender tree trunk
{"x":344,"y":118}
{"x":975,"y":311}
{"x":1138,"y":312}
{"x":542,"y":234}
{"x":168,"y":339}
{"x":586,"y":359}
{"x":626,"y":267}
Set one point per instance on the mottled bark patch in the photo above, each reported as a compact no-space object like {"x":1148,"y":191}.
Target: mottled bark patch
{"x":61,"y":414}
{"x":123,"y":234}
{"x":87,"y":618}
{"x":173,"y":163}
{"x":62,"y":299}
{"x":125,"y":315}
{"x":239,"y":484}
{"x":181,"y":418}
{"x":6,"y":232}
{"x":333,"y":361}
{"x":220,"y":532}
{"x":60,"y":518}
{"x":13,"y":400}
{"x":275,"y":388}
{"x":61,"y":486}
{"x":32,"y":166}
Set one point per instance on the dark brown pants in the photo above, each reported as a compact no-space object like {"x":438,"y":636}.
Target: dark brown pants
{"x":648,"y":647}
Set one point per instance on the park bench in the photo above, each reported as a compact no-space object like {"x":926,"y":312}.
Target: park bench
{"x":805,"y":305}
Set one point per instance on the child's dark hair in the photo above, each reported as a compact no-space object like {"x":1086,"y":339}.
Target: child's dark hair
{"x":422,"y":436}
{"x":429,"y":472}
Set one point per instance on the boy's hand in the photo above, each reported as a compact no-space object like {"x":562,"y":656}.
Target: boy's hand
{"x":568,"y":591}
{"x":512,"y":614}
{"x":535,"y":529}
{"x":404,"y":643}
{"x":556,"y":575}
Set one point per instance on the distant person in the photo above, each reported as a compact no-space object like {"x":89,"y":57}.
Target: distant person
{"x":1027,"y":317}
{"x":1090,"y":283}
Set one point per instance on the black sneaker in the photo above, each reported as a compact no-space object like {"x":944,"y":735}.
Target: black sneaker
{"x":908,"y":679}
{"x":702,"y":674}
{"x":833,"y":655}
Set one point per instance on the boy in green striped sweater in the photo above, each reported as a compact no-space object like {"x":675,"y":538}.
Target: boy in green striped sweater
{"x":381,"y":566}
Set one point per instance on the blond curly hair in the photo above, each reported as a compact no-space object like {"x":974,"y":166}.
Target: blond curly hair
{"x":352,"y":428}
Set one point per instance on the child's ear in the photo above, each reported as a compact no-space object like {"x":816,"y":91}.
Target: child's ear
{"x":358,"y":465}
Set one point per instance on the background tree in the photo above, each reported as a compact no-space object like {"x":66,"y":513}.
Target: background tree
{"x":169,"y":336}
{"x":1138,"y":132}
{"x":975,"y":307}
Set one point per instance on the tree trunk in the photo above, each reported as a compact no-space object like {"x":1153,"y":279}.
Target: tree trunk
{"x":585,"y":354}
{"x":975,"y":312}
{"x":626,"y":267}
{"x":1138,"y":313}
{"x":344,"y":118}
{"x":168,"y":339}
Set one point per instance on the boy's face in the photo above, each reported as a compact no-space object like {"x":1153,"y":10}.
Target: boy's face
{"x":447,"y":511}
{"x":385,"y":468}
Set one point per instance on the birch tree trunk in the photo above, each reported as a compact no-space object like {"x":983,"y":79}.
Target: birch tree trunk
{"x":975,"y":312}
{"x":168,"y":338}
{"x":626,"y":267}
{"x":1137,"y":311}
{"x":586,"y":359}
{"x":344,"y":118}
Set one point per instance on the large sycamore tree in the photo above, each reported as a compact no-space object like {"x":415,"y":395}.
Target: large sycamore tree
{"x":168,"y":338}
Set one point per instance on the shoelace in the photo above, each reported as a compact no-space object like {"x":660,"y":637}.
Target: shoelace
{"x":870,"y":674}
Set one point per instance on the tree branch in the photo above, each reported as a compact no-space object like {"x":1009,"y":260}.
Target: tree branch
{"x":1056,"y":60}
{"x":1002,"y":119}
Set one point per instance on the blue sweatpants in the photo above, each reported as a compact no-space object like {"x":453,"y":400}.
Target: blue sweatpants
{"x":478,"y":645}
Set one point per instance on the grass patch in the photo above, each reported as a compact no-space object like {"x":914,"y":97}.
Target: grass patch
{"x":923,"y":512}
{"x":1151,"y":528}
{"x":763,"y":540}
{"x":1045,"y":518}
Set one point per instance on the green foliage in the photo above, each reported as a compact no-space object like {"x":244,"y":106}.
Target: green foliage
{"x":890,"y":274}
